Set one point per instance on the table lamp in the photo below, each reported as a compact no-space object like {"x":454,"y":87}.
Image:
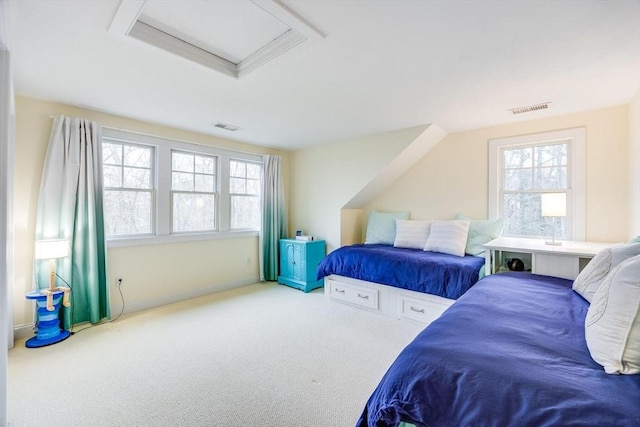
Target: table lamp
{"x":52,"y":249}
{"x":553,"y":205}
{"x":48,"y":300}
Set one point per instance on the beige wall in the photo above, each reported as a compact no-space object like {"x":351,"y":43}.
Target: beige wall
{"x":319,"y":182}
{"x":154,"y":273}
{"x":634,"y":166}
{"x":453,"y":177}
{"x":326,"y":178}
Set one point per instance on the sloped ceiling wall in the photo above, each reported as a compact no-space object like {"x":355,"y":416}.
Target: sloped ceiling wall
{"x":329,"y":178}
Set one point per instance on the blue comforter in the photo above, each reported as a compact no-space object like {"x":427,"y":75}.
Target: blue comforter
{"x":444,"y":275}
{"x":510,"y":352}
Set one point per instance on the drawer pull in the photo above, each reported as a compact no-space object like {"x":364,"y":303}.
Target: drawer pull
{"x":340,"y":291}
{"x":363,"y":296}
{"x":412,"y":308}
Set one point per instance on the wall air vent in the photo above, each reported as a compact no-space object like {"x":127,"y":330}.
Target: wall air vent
{"x":224,"y":126}
{"x":530,"y":108}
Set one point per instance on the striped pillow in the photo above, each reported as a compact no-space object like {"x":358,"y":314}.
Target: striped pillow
{"x":411,"y":233}
{"x":449,"y":237}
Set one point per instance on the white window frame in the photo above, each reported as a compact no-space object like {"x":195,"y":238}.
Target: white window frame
{"x":576,"y":173}
{"x":151,"y":190}
{"x":215,"y":192}
{"x":162,"y":209}
{"x":258,"y":196}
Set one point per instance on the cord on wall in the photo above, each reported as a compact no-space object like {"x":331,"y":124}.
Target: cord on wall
{"x":118,"y":285}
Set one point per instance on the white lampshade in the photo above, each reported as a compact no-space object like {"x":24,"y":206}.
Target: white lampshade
{"x":554,"y":204}
{"x":52,"y":248}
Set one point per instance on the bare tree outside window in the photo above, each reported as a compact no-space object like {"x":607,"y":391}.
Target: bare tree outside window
{"x":193,"y":192}
{"x":128,"y":188}
{"x":169,"y":190}
{"x":245,"y":183}
{"x":529,"y":171}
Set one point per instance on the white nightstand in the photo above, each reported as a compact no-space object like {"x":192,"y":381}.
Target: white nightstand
{"x":564,"y":261}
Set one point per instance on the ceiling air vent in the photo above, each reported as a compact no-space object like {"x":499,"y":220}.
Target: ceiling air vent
{"x":224,"y":126}
{"x":529,"y":108}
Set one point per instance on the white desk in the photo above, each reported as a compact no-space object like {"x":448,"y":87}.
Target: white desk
{"x":559,"y":261}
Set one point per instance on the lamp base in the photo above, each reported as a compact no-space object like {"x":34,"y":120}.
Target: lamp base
{"x":36,"y":342}
{"x":553,"y":243}
{"x":48,"y":324}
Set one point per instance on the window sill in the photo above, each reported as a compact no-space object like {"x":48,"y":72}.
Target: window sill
{"x":178,"y":238}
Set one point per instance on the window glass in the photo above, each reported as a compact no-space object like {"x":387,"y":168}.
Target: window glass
{"x":527,"y":172}
{"x":245,"y":212}
{"x":128,"y":189}
{"x":193,"y":195}
{"x":157,"y":187}
{"x":245,"y":186}
{"x":194,"y":212}
{"x":127,"y":212}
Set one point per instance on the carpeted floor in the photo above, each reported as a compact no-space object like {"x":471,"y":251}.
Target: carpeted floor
{"x":262,"y":355}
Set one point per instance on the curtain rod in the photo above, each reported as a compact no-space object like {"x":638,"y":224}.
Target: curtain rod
{"x":52,"y":117}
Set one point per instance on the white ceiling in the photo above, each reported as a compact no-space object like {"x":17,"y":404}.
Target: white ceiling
{"x":232,"y":29}
{"x":383,"y":65}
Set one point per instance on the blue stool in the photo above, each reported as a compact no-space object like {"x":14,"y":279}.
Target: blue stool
{"x":47,"y":324}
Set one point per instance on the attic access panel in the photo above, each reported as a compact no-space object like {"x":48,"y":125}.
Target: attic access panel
{"x":233,"y":38}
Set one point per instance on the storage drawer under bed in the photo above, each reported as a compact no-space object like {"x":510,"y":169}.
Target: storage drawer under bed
{"x":360,"y":296}
{"x":421,"y":310}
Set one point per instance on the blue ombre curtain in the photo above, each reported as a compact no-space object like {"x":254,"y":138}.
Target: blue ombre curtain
{"x":70,"y":207}
{"x":274,"y":217}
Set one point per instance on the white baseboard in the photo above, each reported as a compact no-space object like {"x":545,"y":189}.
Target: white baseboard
{"x":22,"y":331}
{"x":26,"y":330}
{"x":182,"y":296}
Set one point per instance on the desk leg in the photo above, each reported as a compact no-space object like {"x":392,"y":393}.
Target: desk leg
{"x":488,"y":262}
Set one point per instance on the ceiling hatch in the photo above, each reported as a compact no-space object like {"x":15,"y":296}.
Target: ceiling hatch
{"x":234,"y":38}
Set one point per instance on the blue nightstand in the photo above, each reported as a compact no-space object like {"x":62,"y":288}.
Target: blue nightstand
{"x":299,"y":261}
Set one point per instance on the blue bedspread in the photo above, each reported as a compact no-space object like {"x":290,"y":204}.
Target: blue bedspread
{"x":510,"y":352}
{"x":444,"y":275}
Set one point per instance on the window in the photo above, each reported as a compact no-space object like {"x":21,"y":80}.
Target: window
{"x":522,"y":168}
{"x":193,"y":192}
{"x":129,"y":190}
{"x":527,"y":172}
{"x":158,"y":189}
{"x":245,"y":181}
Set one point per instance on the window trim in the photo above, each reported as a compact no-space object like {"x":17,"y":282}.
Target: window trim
{"x":152,"y":182}
{"x":576,"y":173}
{"x":215,"y":193}
{"x":162,"y":208}
{"x":258,"y":196}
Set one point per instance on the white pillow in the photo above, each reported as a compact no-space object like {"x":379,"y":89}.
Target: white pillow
{"x":612,"y":326}
{"x":480,"y":232}
{"x":590,"y":279}
{"x":381,"y":227}
{"x":411,"y":233}
{"x":449,"y":237}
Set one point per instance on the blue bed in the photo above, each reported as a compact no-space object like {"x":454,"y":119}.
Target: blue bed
{"x":435,"y":273}
{"x":510,"y":352}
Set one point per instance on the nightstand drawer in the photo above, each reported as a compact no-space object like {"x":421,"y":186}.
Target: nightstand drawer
{"x":363,"y":297}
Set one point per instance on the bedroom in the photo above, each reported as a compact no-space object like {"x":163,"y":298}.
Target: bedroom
{"x":347,"y":165}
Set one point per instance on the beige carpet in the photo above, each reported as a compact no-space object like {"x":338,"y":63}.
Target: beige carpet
{"x":263,"y":355}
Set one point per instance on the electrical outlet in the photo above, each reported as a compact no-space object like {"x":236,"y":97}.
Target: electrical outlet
{"x":119,"y":281}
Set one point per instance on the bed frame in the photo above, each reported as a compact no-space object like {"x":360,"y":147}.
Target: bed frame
{"x":385,"y":300}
